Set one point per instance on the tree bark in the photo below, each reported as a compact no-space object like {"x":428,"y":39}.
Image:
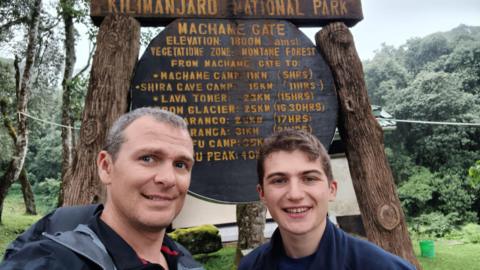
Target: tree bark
{"x":382,"y":214}
{"x":21,"y":145}
{"x":107,"y":98}
{"x":27,"y":192}
{"x":251,"y":224}
{"x":70,"y":59}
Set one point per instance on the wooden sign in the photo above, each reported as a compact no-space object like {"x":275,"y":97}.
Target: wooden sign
{"x":299,"y":12}
{"x":235,"y":82}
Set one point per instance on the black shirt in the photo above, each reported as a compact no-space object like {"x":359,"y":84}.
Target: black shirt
{"x":123,"y":255}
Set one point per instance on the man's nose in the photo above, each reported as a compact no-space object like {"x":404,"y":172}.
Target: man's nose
{"x":165,"y":175}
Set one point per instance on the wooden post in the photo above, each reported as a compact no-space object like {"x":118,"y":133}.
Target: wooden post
{"x":118,"y":42}
{"x":382,"y":214}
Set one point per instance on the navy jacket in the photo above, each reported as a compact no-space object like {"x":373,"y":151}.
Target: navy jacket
{"x":337,"y":250}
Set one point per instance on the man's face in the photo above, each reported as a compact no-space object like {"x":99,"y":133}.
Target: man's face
{"x":296,"y":192}
{"x":148,"y":181}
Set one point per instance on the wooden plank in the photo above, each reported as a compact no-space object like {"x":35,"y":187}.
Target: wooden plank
{"x":299,"y":12}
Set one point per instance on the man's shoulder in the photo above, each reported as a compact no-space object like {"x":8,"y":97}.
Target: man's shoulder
{"x":252,"y":259}
{"x":362,"y":253}
{"x":45,"y":254}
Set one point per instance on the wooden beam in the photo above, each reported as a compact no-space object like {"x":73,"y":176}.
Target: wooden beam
{"x":299,"y":12}
{"x":382,"y":214}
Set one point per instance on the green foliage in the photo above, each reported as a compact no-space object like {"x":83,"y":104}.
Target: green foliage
{"x":47,"y":194}
{"x":474,"y":175}
{"x":428,"y":199}
{"x":435,"y":78}
{"x":419,"y":52}
{"x":454,"y":195}
{"x":199,"y":239}
{"x":44,"y":160}
{"x":415,"y":193}
{"x":471,"y":232}
{"x":434,"y":224}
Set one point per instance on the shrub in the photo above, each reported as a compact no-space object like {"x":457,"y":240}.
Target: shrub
{"x":199,"y":239}
{"x":471,"y":233}
{"x":47,"y":194}
{"x":434,"y":224}
{"x":416,"y":192}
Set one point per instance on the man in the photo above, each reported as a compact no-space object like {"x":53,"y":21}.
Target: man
{"x":296,"y":185}
{"x":146,"y":166}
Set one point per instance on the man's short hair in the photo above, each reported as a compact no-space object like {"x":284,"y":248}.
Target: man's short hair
{"x":115,"y":137}
{"x":290,"y":140}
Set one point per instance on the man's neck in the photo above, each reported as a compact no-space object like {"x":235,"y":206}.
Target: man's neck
{"x":302,"y":245}
{"x":147,"y":244}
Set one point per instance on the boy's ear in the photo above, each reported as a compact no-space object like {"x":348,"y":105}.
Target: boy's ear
{"x":333,"y":190}
{"x":105,"y":166}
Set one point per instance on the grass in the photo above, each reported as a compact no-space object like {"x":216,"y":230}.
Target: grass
{"x":220,"y":260}
{"x":449,"y":254}
{"x":14,"y":219}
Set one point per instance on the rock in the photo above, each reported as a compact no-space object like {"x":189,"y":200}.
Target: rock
{"x":199,"y":240}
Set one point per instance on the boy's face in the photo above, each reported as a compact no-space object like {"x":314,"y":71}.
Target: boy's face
{"x":296,"y":191}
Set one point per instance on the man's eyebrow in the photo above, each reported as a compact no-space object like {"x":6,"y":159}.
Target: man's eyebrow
{"x":187,"y":158}
{"x":274,"y":174}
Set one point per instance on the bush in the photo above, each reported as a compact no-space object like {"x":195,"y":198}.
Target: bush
{"x":471,"y":233}
{"x":47,"y":194}
{"x":200,"y":239}
{"x":416,"y":192}
{"x":434,"y":224}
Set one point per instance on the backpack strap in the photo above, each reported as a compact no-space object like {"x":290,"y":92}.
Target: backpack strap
{"x":60,"y":220}
{"x":86,"y":243}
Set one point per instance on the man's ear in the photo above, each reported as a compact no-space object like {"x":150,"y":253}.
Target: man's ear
{"x":332,"y":190}
{"x":105,"y":166}
{"x":261,"y":194}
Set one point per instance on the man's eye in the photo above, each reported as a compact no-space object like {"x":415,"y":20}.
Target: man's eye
{"x":181,"y":165}
{"x":278,"y":181}
{"x":147,"y":159}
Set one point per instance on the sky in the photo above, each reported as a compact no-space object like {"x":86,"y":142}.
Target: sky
{"x":392,"y":22}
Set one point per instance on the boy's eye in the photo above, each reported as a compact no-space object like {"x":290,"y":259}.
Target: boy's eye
{"x":146,"y":159}
{"x":310,"y":178}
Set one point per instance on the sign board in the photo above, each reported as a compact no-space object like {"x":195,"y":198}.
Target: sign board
{"x":235,"y":82}
{"x":299,"y":12}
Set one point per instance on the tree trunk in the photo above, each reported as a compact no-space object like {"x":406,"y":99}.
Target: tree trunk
{"x":382,"y":214}
{"x":70,"y":59}
{"x":117,"y":52}
{"x":27,"y":192}
{"x":28,"y":197}
{"x":251,"y":224}
{"x":21,"y":145}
